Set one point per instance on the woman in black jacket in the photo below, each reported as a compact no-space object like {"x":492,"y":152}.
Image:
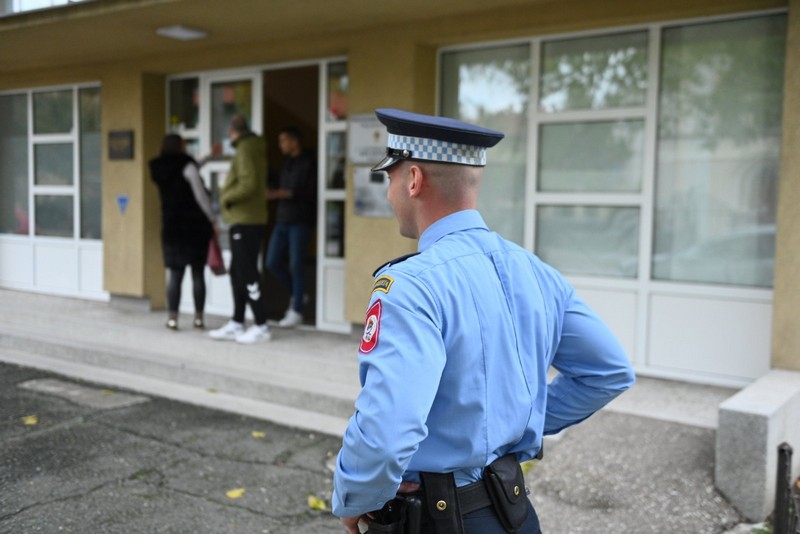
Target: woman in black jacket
{"x":187,"y":223}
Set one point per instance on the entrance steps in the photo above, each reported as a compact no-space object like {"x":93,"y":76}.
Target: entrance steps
{"x":302,"y":378}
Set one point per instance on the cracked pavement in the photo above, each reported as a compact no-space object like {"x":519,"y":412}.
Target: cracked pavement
{"x":157,"y":466}
{"x":163,"y":466}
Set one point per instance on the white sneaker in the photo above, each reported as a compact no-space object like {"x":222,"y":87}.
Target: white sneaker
{"x":291,"y":319}
{"x":254,"y":334}
{"x":228,"y":332}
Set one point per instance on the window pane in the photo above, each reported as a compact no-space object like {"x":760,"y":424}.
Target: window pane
{"x":91,"y":169}
{"x":589,"y":240}
{"x":184,"y":104}
{"x":53,"y":164}
{"x":228,"y":99}
{"x":336,"y":161}
{"x":14,"y":217}
{"x":603,"y":72}
{"x":52,"y":112}
{"x":54,"y":215}
{"x":718,"y":152}
{"x":591,"y":156}
{"x":334,"y":229}
{"x":490,"y":87}
{"x":338,"y":91}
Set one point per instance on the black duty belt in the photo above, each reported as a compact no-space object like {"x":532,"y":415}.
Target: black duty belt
{"x":473,"y":497}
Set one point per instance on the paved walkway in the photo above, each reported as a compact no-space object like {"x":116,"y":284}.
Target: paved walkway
{"x":645,"y":464}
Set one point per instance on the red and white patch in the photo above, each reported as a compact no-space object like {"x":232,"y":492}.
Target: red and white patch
{"x":372,"y":328}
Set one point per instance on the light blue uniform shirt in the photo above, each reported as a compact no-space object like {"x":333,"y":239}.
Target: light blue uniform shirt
{"x":454,"y":361}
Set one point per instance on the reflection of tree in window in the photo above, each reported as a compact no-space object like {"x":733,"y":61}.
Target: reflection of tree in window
{"x":594,"y":73}
{"x":90,"y":163}
{"x":14,"y":164}
{"x":52,"y":112}
{"x":723,"y":80}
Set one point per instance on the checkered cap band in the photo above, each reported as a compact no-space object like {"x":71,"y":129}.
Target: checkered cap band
{"x":436,"y":150}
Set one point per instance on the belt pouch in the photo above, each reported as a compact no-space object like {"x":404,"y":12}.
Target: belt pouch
{"x":441,"y":502}
{"x":505,"y":485}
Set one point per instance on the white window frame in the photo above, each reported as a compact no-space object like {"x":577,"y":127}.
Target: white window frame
{"x":643,"y":286}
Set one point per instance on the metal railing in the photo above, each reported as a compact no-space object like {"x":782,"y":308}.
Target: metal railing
{"x":786,"y":519}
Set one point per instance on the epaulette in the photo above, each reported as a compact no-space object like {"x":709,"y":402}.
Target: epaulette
{"x":394,"y":261}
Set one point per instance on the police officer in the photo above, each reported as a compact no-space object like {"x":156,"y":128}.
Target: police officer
{"x":456,"y":348}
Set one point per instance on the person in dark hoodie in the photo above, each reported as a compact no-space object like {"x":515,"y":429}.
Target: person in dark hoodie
{"x":187,"y":223}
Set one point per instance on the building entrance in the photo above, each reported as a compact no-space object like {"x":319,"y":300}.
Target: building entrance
{"x":291,"y":101}
{"x":310,"y":97}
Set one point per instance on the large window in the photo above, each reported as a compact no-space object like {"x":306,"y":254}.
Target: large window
{"x":718,"y":152}
{"x":653,"y":153}
{"x":491,"y":87}
{"x":50,"y":177}
{"x":14,"y":208}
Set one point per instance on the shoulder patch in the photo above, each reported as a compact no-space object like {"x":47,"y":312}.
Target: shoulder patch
{"x":372,"y":328}
{"x":383,"y":283}
{"x":394,"y":261}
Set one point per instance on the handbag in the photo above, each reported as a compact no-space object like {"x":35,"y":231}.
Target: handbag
{"x":214,"y":261}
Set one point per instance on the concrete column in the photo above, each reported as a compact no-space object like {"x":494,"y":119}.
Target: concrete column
{"x":393,"y":72}
{"x":133,"y":266}
{"x":786,"y":321}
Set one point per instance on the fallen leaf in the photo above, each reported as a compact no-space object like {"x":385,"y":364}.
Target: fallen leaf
{"x":316,"y":504}
{"x":235,"y":493}
{"x":106,"y":392}
{"x":527,"y":466}
{"x":259,"y":435}
{"x":212,"y":390}
{"x":30,"y":420}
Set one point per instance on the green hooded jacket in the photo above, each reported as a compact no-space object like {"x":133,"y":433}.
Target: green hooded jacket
{"x":243,"y":196}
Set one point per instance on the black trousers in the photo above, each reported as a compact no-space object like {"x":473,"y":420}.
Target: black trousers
{"x":245,"y":242}
{"x":484,"y":521}
{"x":198,"y":285}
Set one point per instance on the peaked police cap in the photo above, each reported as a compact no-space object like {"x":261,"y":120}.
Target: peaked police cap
{"x":428,"y":138}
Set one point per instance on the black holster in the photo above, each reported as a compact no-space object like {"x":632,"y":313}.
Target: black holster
{"x":401,"y":515}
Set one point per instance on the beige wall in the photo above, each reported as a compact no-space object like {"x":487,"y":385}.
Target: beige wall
{"x":785,"y":317}
{"x":405,"y":81}
{"x":390,"y":66}
{"x":131,"y":241}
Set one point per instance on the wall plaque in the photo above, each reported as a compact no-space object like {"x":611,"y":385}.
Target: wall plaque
{"x":120,"y":144}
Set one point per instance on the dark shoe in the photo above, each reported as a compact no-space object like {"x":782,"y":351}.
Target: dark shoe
{"x":198,"y":323}
{"x":172,"y":324}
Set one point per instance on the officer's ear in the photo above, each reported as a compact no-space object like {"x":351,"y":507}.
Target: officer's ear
{"x":417,"y":177}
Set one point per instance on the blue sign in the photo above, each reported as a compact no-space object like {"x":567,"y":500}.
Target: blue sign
{"x":122,"y":202}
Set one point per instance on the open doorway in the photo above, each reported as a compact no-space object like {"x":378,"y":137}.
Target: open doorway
{"x":290,"y":99}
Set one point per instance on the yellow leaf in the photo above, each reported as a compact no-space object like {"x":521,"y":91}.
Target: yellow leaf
{"x":259,"y":435}
{"x":316,"y":504}
{"x":106,"y":392}
{"x":212,"y":390}
{"x":527,"y":466}
{"x":235,"y":493}
{"x":30,"y":420}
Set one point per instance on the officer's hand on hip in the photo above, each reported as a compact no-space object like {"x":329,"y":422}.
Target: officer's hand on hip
{"x":351,"y":524}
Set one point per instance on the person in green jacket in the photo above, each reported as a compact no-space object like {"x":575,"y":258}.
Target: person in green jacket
{"x":243,"y":206}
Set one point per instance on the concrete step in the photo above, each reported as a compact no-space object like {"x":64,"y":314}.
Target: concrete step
{"x":303,"y":378}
